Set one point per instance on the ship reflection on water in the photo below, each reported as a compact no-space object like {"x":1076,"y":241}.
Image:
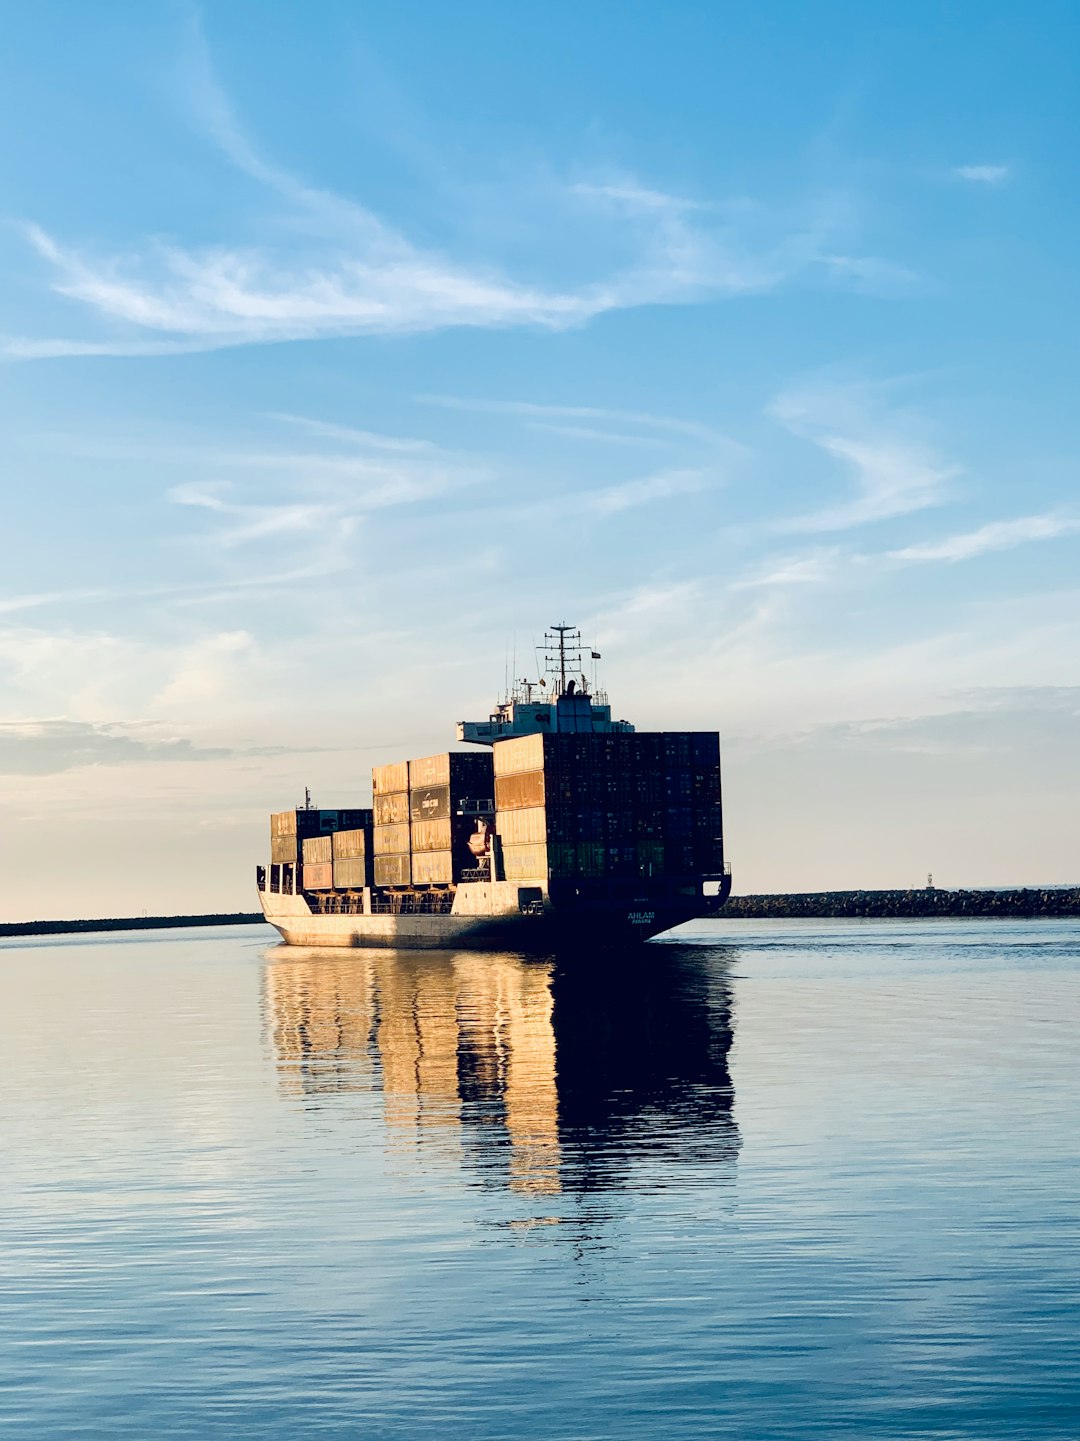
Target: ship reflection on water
{"x":547,"y":1076}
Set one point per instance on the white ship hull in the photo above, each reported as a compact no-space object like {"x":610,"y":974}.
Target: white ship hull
{"x":483,"y":915}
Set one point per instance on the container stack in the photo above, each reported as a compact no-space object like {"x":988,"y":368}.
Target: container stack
{"x":318,"y":856}
{"x":609,"y":805}
{"x":352,"y":859}
{"x":448,"y":794}
{"x":390,"y":835}
{"x":307,"y":837}
{"x":425,"y":812}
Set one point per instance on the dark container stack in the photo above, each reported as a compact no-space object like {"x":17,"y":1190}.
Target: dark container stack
{"x":448,"y":794}
{"x":609,"y":805}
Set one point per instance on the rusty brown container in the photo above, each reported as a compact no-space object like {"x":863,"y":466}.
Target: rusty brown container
{"x":387,"y":779}
{"x":283,"y":823}
{"x":392,"y":809}
{"x":522,"y":828}
{"x":318,"y":850}
{"x":319,"y":877}
{"x":349,"y":845}
{"x":283,"y":850}
{"x":349,"y":873}
{"x":432,"y":868}
{"x":391,"y":840}
{"x":519,"y":792}
{"x":393,"y":870}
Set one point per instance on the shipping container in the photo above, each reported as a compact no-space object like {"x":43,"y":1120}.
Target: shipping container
{"x":387,"y":779}
{"x":519,"y":753}
{"x":518,"y":792}
{"x":319,"y":877}
{"x":391,"y":840}
{"x":393,"y":870}
{"x":349,"y":844}
{"x":350,"y":873}
{"x":430,"y":835}
{"x":318,"y":849}
{"x":313,"y":822}
{"x":392,"y":809}
{"x":283,"y":850}
{"x":522,"y":828}
{"x":465,"y":772}
{"x":432,"y":868}
{"x":430,"y":771}
{"x":429,"y":803}
{"x":525,"y":863}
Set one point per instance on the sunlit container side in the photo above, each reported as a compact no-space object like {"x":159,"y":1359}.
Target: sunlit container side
{"x":392,"y":809}
{"x":319,"y":877}
{"x":391,"y":840}
{"x":318,"y":850}
{"x":430,"y":835}
{"x":389,"y":778}
{"x":393,"y":870}
{"x":283,"y":823}
{"x":432,"y":868}
{"x":350,"y":873}
{"x":283,"y":850}
{"x":430,"y":771}
{"x":349,"y":844}
{"x":525,"y":862}
{"x":519,"y":753}
{"x":522,"y":828}
{"x":521,"y":791}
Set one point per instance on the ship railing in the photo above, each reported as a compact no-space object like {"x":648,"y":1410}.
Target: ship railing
{"x":412,"y":903}
{"x":347,"y":904}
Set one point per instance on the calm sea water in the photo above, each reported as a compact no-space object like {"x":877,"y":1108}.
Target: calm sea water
{"x":787,"y":1180}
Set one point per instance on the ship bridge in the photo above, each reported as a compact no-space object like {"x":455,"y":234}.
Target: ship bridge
{"x":562,"y":700}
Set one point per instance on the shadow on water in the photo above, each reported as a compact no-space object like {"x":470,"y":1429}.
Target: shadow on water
{"x":565,"y":1074}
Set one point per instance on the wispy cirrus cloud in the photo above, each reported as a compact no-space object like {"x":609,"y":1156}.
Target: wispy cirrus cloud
{"x":345,"y":271}
{"x":983,"y":174}
{"x":797,"y":570}
{"x":997,"y":535}
{"x":625,"y":425}
{"x":895,"y":472}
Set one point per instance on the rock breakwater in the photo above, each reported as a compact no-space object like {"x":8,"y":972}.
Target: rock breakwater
{"x":1005,"y":904}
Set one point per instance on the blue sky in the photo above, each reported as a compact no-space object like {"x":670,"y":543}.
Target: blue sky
{"x":343,"y":348}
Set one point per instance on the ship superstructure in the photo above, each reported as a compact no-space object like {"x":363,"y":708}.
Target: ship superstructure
{"x":561,"y":824}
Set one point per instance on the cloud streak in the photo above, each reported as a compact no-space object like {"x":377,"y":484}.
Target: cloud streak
{"x":983,"y":174}
{"x":347,"y":272}
{"x":894,"y":472}
{"x":998,"y":535}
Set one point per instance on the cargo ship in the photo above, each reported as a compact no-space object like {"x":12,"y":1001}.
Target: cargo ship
{"x":560,"y":825}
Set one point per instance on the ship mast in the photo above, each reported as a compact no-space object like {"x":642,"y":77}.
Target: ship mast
{"x":562,"y":648}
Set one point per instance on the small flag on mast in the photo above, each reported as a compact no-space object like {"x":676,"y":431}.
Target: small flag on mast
{"x":596,"y":655}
